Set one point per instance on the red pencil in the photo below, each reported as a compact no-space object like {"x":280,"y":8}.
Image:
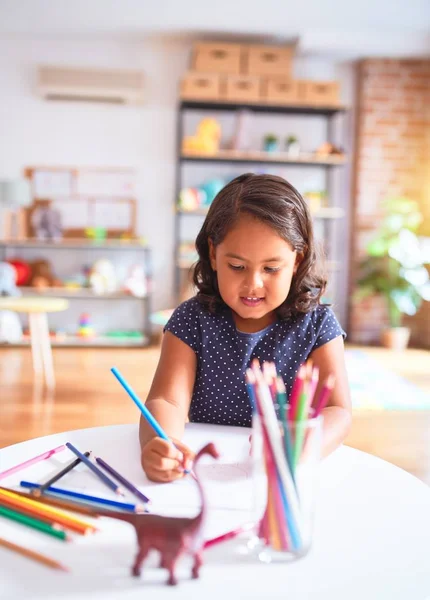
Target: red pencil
{"x":228,"y":536}
{"x":324,"y":395}
{"x":296,"y":391}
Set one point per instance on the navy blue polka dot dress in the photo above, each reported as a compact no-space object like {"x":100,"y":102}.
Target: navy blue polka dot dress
{"x":224,"y":354}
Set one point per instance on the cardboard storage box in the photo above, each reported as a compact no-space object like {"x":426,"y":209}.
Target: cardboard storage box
{"x":242,"y":88}
{"x":217,"y":58}
{"x":268,"y":60}
{"x":320,"y":93}
{"x":280,"y":90}
{"x":201,"y":86}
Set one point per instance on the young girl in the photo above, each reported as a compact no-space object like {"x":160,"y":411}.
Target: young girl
{"x":259,"y":293}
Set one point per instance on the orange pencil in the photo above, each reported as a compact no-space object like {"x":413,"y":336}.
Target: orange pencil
{"x":30,"y":512}
{"x":64,"y":504}
{"x":45,"y":560}
{"x":70,"y":522}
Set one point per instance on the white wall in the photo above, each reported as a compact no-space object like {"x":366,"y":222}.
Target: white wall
{"x":36,"y":132}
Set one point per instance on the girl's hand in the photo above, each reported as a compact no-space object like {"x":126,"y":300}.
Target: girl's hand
{"x":164,"y":462}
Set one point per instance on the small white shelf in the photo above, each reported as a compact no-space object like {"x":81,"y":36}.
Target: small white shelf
{"x":78,"y":293}
{"x":97,"y":342}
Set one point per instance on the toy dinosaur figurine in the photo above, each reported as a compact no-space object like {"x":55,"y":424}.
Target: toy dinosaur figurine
{"x":171,"y":536}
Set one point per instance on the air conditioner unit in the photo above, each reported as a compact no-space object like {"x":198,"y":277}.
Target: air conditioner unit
{"x":91,"y":85}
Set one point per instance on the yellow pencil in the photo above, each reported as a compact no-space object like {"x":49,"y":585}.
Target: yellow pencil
{"x":60,"y":517}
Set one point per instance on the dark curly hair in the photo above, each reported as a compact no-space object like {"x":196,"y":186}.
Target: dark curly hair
{"x":277,"y":203}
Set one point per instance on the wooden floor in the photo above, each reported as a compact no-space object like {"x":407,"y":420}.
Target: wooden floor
{"x":87,"y":395}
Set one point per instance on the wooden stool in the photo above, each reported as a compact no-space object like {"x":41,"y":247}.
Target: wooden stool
{"x":37,"y":309}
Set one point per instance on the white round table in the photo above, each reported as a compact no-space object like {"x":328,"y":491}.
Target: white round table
{"x":371,"y":534}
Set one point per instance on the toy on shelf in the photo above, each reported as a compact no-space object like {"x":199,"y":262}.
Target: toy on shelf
{"x":200,"y":197}
{"x":42,"y":275}
{"x":22,"y":271}
{"x":206,"y":140}
{"x":102,"y":278}
{"x":328,"y":149}
{"x":46,"y":222}
{"x":85,"y":329}
{"x":8,"y":280}
{"x":96,"y":233}
{"x":136,"y":283}
{"x":170,"y":536}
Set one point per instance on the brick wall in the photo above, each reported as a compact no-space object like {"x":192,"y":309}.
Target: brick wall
{"x":392,"y":159}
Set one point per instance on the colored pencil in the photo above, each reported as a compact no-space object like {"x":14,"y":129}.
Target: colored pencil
{"x":145,"y":412}
{"x":25,"y":510}
{"x":295,"y":392}
{"x":282,"y":401}
{"x":44,"y":560}
{"x":228,"y":536}
{"x":59,"y":475}
{"x":312,"y":387}
{"x":31,"y":461}
{"x":77,"y":507}
{"x":129,"y":486}
{"x":14,"y":515}
{"x":38,"y":509}
{"x":286,"y":484}
{"x":324,"y":395}
{"x":104,"y":478}
{"x":86,"y":497}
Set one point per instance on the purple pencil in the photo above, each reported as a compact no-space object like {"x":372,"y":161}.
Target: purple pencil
{"x":129,"y":486}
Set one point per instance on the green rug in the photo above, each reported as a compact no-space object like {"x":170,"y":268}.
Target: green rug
{"x":375,"y":388}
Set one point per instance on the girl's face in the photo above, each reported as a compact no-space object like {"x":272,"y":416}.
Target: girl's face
{"x":254,"y":267}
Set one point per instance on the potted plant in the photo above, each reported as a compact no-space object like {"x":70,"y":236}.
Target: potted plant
{"x":271,"y":142}
{"x":293,"y":146}
{"x":395,"y":268}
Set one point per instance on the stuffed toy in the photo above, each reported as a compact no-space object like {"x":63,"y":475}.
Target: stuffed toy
{"x":136,"y":283}
{"x":102,"y":278}
{"x":42,"y":275}
{"x":46,"y":223}
{"x":8,"y":280}
{"x":22,"y":271}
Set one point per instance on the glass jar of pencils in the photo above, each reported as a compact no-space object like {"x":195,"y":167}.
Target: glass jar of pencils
{"x":286,"y":456}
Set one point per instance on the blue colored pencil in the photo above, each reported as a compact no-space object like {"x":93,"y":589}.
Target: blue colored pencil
{"x":129,"y":486}
{"x":106,"y":480}
{"x":85,"y":497}
{"x":145,"y":412}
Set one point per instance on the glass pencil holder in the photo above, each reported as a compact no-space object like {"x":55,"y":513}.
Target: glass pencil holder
{"x":286,"y":457}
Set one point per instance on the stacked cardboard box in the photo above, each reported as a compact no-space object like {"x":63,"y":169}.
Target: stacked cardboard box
{"x":252,"y":74}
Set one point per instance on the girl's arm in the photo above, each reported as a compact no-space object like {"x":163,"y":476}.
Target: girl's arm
{"x":168,"y":400}
{"x":330,"y":359}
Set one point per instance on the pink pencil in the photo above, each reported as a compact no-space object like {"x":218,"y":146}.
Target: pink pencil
{"x":228,"y":536}
{"x":31,"y":461}
{"x":296,"y":391}
{"x":324,"y":395}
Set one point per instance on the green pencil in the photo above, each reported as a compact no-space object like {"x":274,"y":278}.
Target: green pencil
{"x":281,"y":397}
{"x":299,"y":423}
{"x":14,"y":515}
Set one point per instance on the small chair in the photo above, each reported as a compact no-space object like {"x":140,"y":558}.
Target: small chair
{"x":37,"y":309}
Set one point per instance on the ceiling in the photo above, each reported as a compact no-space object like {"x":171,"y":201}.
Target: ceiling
{"x":344,"y":28}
